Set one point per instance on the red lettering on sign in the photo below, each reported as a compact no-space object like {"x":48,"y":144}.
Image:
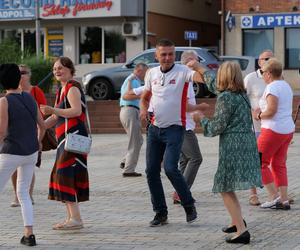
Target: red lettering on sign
{"x":53,"y":10}
{"x":91,"y":6}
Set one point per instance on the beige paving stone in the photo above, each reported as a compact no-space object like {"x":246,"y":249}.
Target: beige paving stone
{"x":119,"y":210}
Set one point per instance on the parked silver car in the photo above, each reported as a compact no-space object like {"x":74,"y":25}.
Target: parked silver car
{"x":106,"y":83}
{"x":247,"y":63}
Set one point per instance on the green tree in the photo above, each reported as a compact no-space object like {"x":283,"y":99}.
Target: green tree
{"x":10,"y":52}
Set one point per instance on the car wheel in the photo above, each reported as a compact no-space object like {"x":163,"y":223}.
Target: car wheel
{"x":198,"y":90}
{"x":101,"y":89}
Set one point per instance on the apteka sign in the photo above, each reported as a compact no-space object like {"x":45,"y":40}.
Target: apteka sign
{"x":270,"y":21}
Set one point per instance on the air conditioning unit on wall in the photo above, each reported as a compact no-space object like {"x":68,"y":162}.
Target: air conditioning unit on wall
{"x":131,"y":29}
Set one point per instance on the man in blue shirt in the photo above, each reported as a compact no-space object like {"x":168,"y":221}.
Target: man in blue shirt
{"x":129,"y":117}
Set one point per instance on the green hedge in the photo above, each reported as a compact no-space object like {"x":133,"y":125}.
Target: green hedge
{"x":10,"y":52}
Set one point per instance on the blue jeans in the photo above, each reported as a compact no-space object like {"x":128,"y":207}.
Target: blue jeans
{"x":164,"y":144}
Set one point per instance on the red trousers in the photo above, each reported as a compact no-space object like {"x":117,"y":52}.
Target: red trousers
{"x":274,"y":147}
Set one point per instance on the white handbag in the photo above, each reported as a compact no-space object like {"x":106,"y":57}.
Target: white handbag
{"x":75,"y":143}
{"x":78,"y":144}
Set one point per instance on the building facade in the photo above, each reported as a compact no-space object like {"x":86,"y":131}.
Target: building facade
{"x":107,"y":31}
{"x":87,"y":31}
{"x":174,"y":18}
{"x":253,"y":26}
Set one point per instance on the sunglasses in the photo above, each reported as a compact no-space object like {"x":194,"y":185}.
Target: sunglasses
{"x":262,"y":72}
{"x":265,"y":59}
{"x":24,"y":72}
{"x":162,"y":79}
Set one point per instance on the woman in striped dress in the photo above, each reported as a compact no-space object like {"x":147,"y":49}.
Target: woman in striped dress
{"x":69,"y":178}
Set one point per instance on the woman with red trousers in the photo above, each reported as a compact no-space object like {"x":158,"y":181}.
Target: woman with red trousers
{"x":277,"y":128}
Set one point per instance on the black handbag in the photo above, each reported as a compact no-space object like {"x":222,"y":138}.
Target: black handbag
{"x":49,"y":141}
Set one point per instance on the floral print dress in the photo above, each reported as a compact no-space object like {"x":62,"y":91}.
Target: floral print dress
{"x":239,"y":165}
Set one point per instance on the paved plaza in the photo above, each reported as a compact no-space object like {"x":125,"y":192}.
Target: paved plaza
{"x":119,"y":210}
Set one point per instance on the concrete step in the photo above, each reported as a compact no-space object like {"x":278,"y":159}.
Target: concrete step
{"x":104,"y":115}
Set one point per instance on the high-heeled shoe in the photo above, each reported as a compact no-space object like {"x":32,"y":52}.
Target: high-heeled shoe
{"x":232,"y":229}
{"x":243,"y":238}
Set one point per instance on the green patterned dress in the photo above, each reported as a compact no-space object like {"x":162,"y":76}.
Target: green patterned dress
{"x":239,"y":165}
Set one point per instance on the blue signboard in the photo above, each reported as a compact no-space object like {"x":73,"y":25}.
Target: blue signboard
{"x":56,"y":47}
{"x":16,"y":14}
{"x":270,"y":21}
{"x":191,"y":35}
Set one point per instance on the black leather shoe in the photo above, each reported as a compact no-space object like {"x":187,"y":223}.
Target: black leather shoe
{"x":133,"y":174}
{"x":122,"y":165}
{"x":231,"y":229}
{"x":28,"y":241}
{"x":159,"y":220}
{"x":191,"y":214}
{"x":243,"y":238}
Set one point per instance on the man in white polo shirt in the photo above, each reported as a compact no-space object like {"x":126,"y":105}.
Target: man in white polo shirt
{"x":255,"y":86}
{"x":167,"y":87}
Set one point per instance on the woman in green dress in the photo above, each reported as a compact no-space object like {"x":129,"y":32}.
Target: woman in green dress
{"x":239,"y":166}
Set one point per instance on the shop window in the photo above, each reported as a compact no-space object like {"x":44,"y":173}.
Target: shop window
{"x":91,"y":49}
{"x":292,"y":48}
{"x":26,"y":37}
{"x":90,"y":46}
{"x":115,"y":45}
{"x":30,"y":41}
{"x":257,"y":40}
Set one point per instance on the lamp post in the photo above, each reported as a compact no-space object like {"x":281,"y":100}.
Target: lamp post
{"x":221,"y":13}
{"x":37,"y":29}
{"x":145,"y":24}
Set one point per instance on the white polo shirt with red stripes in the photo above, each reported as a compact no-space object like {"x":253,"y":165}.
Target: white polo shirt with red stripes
{"x":169,"y":94}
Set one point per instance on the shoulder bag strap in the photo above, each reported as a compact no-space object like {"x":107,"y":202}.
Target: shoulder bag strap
{"x":248,"y":104}
{"x":34,"y":92}
{"x":87,"y":118}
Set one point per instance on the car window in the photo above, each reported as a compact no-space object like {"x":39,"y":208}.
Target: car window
{"x":242,"y":62}
{"x":178,"y":56}
{"x":213,"y":54}
{"x":144,"y":58}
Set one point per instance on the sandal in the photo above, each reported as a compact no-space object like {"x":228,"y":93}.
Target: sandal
{"x":15,"y":204}
{"x":291,"y":199}
{"x":57,"y":226}
{"x":253,"y":200}
{"x":70,"y":224}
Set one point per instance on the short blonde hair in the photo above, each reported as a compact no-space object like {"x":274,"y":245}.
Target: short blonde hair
{"x":274,"y":67}
{"x":230,"y":77}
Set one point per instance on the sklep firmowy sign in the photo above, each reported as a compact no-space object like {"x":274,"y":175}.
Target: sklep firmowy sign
{"x":55,"y":9}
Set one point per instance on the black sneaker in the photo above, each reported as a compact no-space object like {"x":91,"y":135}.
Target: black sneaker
{"x":159,"y":220}
{"x":283,"y":206}
{"x":191,"y":214}
{"x":28,"y":241}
